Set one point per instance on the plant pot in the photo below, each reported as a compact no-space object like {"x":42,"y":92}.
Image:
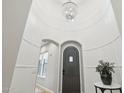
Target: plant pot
{"x":106,"y":78}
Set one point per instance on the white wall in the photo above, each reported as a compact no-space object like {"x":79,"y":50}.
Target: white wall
{"x":25,"y":73}
{"x":50,"y":81}
{"x":14,"y":18}
{"x":101,"y":40}
{"x":111,"y":53}
{"x":117,"y":7}
{"x":26,"y":69}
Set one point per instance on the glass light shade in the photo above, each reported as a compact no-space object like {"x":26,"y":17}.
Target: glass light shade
{"x":70,"y":10}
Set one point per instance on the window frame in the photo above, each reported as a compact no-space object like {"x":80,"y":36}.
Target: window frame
{"x":42,"y":64}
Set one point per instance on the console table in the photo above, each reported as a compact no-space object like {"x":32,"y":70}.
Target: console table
{"x":103,"y":87}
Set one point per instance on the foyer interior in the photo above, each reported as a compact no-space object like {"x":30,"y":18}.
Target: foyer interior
{"x":40,"y":45}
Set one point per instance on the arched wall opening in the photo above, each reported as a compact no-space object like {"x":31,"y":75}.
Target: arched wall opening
{"x":47,"y":81}
{"x":78,"y":46}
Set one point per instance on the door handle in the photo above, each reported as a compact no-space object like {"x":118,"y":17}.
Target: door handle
{"x":63,"y":72}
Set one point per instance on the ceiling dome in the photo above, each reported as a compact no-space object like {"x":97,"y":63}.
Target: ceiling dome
{"x":94,"y":25}
{"x":50,"y":12}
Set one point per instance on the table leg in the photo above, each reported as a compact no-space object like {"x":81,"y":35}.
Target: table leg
{"x":111,"y":91}
{"x":96,"y":89}
{"x":102,"y":90}
{"x":120,"y":90}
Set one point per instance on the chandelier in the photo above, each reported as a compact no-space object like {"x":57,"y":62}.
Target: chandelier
{"x":70,"y":10}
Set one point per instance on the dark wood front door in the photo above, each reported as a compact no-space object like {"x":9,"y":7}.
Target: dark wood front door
{"x":71,"y":71}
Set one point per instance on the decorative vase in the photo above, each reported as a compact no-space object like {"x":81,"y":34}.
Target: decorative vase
{"x":106,"y":78}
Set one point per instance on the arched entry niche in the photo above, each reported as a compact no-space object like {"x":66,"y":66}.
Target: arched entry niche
{"x":71,"y":52}
{"x":45,"y":80}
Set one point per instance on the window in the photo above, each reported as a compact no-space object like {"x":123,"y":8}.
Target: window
{"x":42,"y":65}
{"x":70,"y":58}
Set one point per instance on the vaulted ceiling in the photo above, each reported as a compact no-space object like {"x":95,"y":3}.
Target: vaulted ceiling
{"x":51,"y":13}
{"x":15,"y":14}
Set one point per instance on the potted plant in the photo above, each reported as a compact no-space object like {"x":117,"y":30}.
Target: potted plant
{"x":105,"y":69}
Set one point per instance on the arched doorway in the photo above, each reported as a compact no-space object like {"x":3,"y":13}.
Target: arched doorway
{"x":71,"y":70}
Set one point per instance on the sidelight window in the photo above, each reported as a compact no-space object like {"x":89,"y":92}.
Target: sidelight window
{"x":42,"y":65}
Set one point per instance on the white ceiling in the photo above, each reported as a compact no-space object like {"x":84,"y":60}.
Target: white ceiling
{"x":94,"y":25}
{"x":51,"y":13}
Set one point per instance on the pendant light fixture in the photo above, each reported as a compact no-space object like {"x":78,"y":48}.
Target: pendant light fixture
{"x":70,"y":10}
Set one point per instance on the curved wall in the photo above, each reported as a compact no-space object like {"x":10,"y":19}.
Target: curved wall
{"x":96,"y":35}
{"x":101,"y":40}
